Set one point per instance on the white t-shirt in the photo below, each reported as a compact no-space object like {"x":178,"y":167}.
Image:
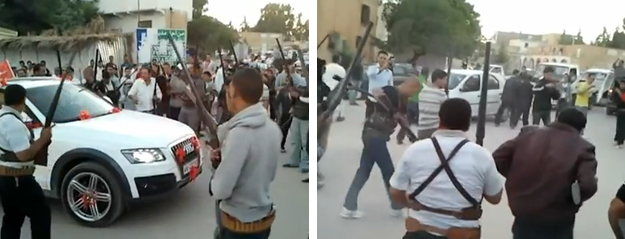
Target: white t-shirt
{"x":473,"y":166}
{"x":14,"y":136}
{"x":144,"y":93}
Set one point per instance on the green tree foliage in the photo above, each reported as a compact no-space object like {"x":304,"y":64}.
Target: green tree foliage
{"x":199,"y":7}
{"x":245,"y":27}
{"x":579,"y":40}
{"x":603,"y":39}
{"x":501,"y":57}
{"x":566,"y":39}
{"x":441,"y":27}
{"x":280,"y":18}
{"x":36,"y":16}
{"x":208,"y":33}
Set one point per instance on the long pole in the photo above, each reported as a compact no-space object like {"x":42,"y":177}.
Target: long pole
{"x":481,"y":112}
{"x":449,"y":61}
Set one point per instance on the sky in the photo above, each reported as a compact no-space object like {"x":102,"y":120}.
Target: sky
{"x":235,"y":10}
{"x":550,"y":16}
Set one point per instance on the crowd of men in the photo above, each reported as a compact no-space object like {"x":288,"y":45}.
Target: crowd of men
{"x":549,"y":171}
{"x":256,"y":107}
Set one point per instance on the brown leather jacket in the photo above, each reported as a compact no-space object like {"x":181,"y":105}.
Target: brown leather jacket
{"x":540,"y":166}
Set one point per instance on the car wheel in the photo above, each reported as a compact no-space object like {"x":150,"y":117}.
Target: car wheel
{"x":91,"y":195}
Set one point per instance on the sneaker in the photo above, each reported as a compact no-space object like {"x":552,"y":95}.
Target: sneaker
{"x":620,"y":146}
{"x":282,"y":150}
{"x":348,"y":214}
{"x":340,"y":119}
{"x":614,"y":143}
{"x":397,"y":213}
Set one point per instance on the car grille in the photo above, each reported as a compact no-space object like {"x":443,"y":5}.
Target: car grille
{"x":190,"y":152}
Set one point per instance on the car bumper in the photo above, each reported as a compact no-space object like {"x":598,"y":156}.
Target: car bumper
{"x":156,"y":187}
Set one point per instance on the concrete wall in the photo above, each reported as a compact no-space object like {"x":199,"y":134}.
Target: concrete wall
{"x":126,"y":23}
{"x":343,"y":17}
{"x":128,"y":6}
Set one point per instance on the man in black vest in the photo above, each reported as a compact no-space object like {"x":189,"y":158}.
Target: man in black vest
{"x":20,"y":193}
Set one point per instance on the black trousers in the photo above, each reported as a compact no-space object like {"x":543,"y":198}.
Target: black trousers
{"x":516,"y":114}
{"x":173,"y":113}
{"x":504,"y":105}
{"x":285,"y":125}
{"x":412,"y":115}
{"x":544,"y":115}
{"x":530,"y":229}
{"x":23,"y":197}
{"x":370,"y":106}
{"x":227,"y":234}
{"x":619,"y":135}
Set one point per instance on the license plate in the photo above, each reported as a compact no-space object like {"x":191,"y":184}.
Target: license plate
{"x":187,"y":167}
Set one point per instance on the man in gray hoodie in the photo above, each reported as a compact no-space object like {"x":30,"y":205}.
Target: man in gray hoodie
{"x":249,"y":154}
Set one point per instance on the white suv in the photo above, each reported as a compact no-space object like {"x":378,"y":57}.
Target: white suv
{"x":98,"y":166}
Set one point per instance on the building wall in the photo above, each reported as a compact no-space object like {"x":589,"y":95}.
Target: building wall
{"x":343,"y":17}
{"x":586,"y":56}
{"x":125,"y":6}
{"x":156,"y":19}
{"x":262,"y":41}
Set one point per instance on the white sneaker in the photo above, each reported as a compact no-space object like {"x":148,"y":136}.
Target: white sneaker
{"x":620,"y":146}
{"x":348,"y":214}
{"x":614,"y":143}
{"x":397,"y":213}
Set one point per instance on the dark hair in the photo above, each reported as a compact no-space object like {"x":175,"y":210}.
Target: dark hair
{"x":43,"y":62}
{"x":438,"y":74}
{"x":336,"y":59}
{"x":249,"y":84}
{"x":425,"y":71}
{"x":455,"y":114}
{"x":166,"y":64}
{"x":14,"y":95}
{"x":548,"y":69}
{"x":392,"y":94}
{"x":573,"y":118}
{"x":382,"y":53}
{"x":514,"y":72}
{"x":208,"y":73}
{"x":22,"y":63}
{"x":38,"y":67}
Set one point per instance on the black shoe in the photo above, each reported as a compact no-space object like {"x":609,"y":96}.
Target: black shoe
{"x":340,"y":119}
{"x":282,"y":150}
{"x":305,"y":180}
{"x":496,"y":124}
{"x":353,"y":104}
{"x":286,"y":165}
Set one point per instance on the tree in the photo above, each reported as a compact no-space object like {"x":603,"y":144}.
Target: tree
{"x":207,"y":33}
{"x":36,"y":16}
{"x":603,"y":39}
{"x":502,"y":55}
{"x":565,"y":39}
{"x":300,"y":32}
{"x":579,"y":40}
{"x":417,"y":26}
{"x":199,"y":7}
{"x":245,"y":27}
{"x":276,"y":18}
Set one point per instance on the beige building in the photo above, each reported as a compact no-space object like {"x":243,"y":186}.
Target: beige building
{"x":261,"y":41}
{"x":346,"y":21}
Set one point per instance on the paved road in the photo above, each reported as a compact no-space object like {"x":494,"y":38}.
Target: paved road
{"x":342,"y":160}
{"x":190,"y":214}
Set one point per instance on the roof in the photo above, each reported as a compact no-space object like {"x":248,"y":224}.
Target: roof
{"x":599,"y":70}
{"x":558,"y":64}
{"x":63,"y":42}
{"x":33,"y":82}
{"x":466,"y":71}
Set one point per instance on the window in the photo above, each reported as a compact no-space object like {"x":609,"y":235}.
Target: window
{"x":472,"y":84}
{"x":73,"y":100}
{"x":145,"y":23}
{"x":365,"y":14}
{"x":493,"y":83}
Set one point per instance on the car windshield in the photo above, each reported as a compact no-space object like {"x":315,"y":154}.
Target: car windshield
{"x":558,"y":74}
{"x":73,"y":100}
{"x":454,"y":80}
{"x":598,"y":75}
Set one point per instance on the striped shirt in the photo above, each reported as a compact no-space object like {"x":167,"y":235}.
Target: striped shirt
{"x":430,"y":100}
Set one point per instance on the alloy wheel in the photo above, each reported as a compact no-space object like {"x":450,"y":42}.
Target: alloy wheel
{"x":89,"y":196}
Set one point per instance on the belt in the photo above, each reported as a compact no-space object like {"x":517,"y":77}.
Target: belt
{"x":14,"y":172}
{"x":413,"y":225}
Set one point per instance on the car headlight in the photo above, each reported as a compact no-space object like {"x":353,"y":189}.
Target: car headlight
{"x":145,"y":155}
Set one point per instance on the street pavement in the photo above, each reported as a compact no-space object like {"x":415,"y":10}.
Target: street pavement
{"x":341,"y":161}
{"x":190,"y":213}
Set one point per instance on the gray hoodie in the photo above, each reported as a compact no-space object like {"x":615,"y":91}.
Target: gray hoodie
{"x":250,"y":148}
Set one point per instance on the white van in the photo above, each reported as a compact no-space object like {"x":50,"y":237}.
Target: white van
{"x":466,"y":84}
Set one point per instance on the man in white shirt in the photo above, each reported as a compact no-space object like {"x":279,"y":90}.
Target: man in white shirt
{"x":443,"y":179}
{"x":144,"y":92}
{"x":379,"y":76}
{"x":431,"y":98}
{"x":333,"y":69}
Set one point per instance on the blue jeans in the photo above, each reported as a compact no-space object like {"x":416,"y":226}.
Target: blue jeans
{"x":375,"y":151}
{"x":352,"y":93}
{"x":299,"y":133}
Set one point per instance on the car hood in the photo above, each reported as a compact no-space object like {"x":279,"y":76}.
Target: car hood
{"x":131,"y":128}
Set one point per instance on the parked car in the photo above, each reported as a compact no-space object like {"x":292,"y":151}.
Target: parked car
{"x":467,"y":84}
{"x":98,"y":167}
